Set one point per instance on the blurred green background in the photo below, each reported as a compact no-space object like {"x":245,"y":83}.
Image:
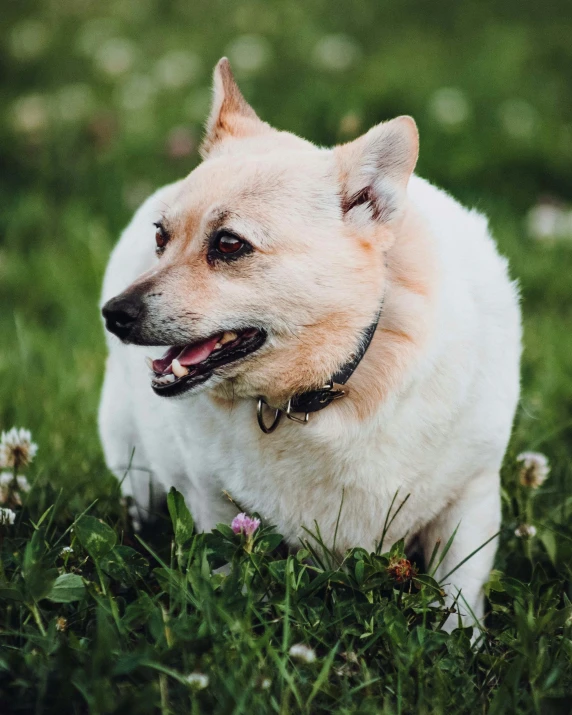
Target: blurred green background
{"x":103,"y":101}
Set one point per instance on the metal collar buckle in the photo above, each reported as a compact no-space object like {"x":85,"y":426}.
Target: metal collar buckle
{"x":333,"y":390}
{"x":291,"y":416}
{"x":336,"y":390}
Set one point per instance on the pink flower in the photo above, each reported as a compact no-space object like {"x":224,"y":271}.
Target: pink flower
{"x":243,"y":524}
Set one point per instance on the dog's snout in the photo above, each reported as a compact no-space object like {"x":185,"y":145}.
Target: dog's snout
{"x":121,"y":314}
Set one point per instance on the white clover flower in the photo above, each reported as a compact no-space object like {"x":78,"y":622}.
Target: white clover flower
{"x":303,"y":653}
{"x":197,"y":681}
{"x":30,"y":114}
{"x":177,"y":69}
{"x":535,"y":469}
{"x":115,"y":56}
{"x":549,"y":221}
{"x":337,"y":52}
{"x":542,"y":221}
{"x":8,"y":494}
{"x":519,"y":118}
{"x":7,"y":517}
{"x":23,"y":483}
{"x":525,"y":531}
{"x":16,"y":448}
{"x":6,"y":479}
{"x":248,"y":53}
{"x":450,"y":106}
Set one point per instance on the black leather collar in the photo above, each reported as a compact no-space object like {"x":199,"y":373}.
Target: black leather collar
{"x":315,"y":400}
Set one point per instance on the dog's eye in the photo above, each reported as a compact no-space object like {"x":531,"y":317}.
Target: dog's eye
{"x":161,"y":237}
{"x":227,"y":246}
{"x":226,"y":243}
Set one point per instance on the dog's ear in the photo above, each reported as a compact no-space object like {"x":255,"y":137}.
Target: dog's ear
{"x":231,"y":116}
{"x":374,"y":171}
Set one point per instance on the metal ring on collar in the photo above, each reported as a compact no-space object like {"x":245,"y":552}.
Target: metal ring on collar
{"x":267,"y":429}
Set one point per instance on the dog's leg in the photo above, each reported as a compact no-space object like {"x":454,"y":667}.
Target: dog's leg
{"x":122,"y":447}
{"x":476,"y":515}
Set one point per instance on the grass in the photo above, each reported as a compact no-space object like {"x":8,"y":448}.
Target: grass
{"x":79,"y":148}
{"x":118,"y":623}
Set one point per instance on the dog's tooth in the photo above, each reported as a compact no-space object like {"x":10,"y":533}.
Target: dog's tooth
{"x":228,"y":337}
{"x":178,"y":369}
{"x":218,"y":346}
{"x":164,"y":379}
{"x":149,"y":362}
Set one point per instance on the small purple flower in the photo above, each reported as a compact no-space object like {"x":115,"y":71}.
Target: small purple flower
{"x":243,"y":524}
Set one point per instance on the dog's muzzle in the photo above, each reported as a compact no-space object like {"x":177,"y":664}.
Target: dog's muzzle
{"x":121,"y":314}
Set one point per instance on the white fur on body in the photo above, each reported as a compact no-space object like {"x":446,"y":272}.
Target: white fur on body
{"x":440,"y":436}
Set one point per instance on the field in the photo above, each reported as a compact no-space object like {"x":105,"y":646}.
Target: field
{"x":100,"y":104}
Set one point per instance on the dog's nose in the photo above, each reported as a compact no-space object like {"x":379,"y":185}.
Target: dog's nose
{"x":121,"y":314}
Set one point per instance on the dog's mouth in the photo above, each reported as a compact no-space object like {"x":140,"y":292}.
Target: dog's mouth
{"x":183,"y":367}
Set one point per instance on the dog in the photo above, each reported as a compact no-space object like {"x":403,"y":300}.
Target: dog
{"x":310,"y":328}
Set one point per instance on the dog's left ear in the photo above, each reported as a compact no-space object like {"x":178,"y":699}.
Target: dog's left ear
{"x":231,"y":116}
{"x":375,"y":169}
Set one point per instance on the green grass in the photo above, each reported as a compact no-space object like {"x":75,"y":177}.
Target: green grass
{"x":69,"y":184}
{"x":118,"y":624}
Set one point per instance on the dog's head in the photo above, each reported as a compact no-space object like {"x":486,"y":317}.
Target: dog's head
{"x":270,"y":255}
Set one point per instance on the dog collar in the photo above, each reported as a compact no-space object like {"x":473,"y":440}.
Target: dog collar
{"x":314,"y":400}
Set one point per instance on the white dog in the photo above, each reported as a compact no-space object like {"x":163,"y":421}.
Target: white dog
{"x":334,"y":287}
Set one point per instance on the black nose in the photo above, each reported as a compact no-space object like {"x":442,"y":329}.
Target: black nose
{"x":121,"y":314}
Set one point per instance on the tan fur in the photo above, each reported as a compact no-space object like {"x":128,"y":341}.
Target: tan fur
{"x":293,"y":203}
{"x":404,"y":327}
{"x":225,"y":402}
{"x":231,"y":116}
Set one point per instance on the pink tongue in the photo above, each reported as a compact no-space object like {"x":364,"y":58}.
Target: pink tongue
{"x":198,"y":352}
{"x":190,"y":355}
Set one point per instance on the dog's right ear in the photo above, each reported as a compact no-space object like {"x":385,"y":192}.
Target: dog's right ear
{"x":231,"y":116}
{"x":374,"y":170}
